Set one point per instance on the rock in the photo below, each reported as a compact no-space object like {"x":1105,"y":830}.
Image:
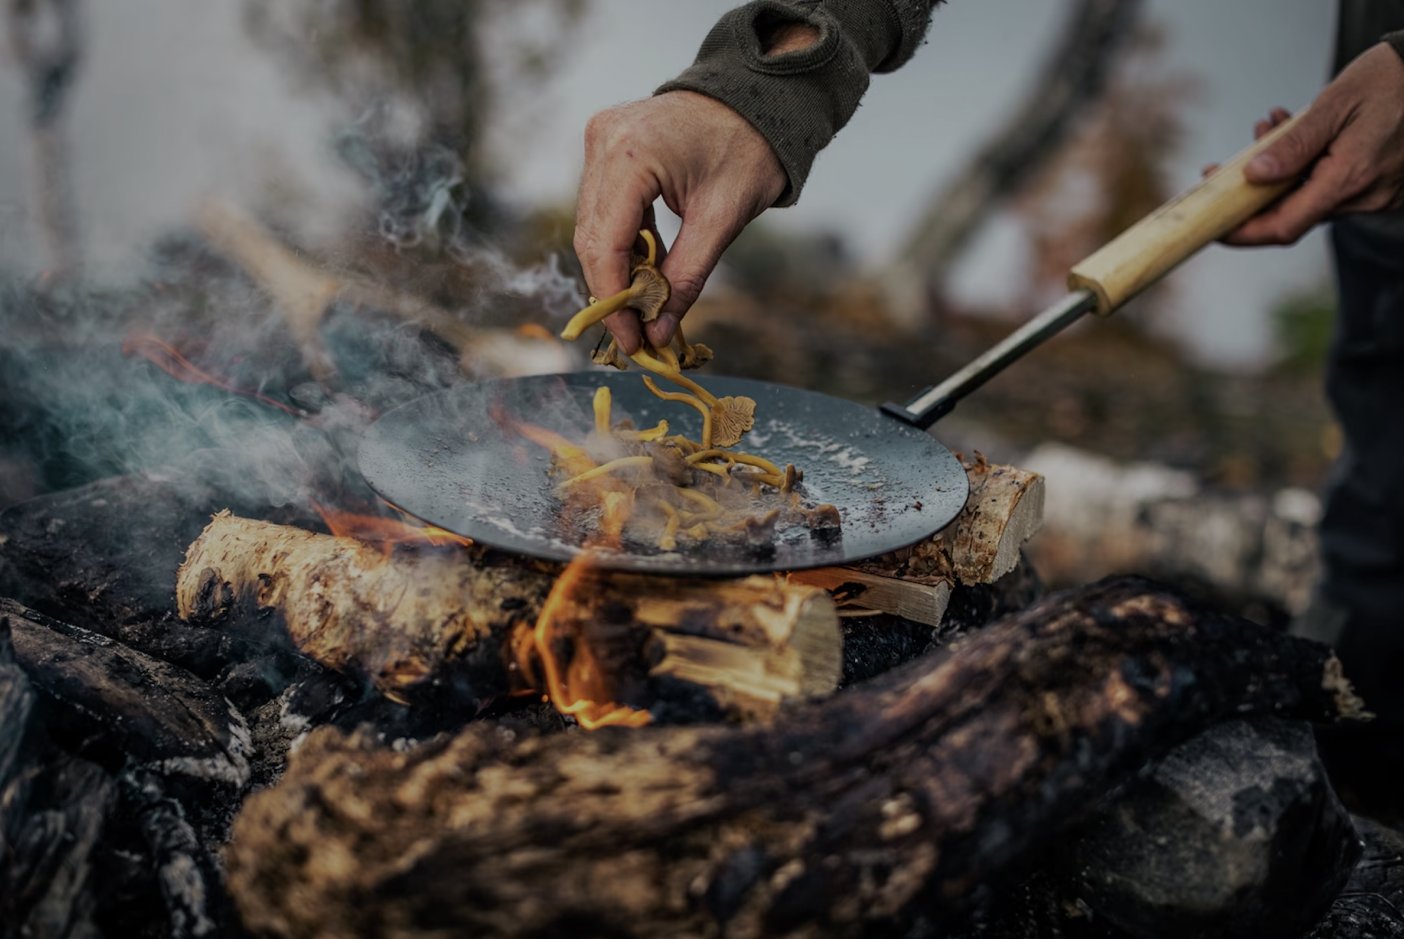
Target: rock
{"x":1235,"y":833}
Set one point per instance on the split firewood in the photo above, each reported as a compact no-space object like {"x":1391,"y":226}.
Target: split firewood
{"x":470,"y":624}
{"x":897,"y":801}
{"x":304,"y":293}
{"x":981,"y":545}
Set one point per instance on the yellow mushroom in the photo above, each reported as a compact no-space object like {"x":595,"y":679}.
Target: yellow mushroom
{"x":604,"y":469}
{"x":690,"y":355}
{"x":693,"y":400}
{"x":602,"y":407}
{"x":656,"y":432}
{"x":730,"y":417}
{"x":648,"y":290}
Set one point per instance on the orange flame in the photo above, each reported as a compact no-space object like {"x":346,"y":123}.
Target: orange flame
{"x":385,"y":531}
{"x":170,"y":360}
{"x":580,"y":690}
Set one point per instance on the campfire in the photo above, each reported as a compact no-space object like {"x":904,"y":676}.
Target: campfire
{"x":240,"y":692}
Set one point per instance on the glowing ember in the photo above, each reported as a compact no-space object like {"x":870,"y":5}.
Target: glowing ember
{"x":579,"y":689}
{"x":170,"y":360}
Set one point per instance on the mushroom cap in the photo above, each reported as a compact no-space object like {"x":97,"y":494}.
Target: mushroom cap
{"x":651,"y":290}
{"x":694,"y":355}
{"x":609,"y":354}
{"x":732,"y":417}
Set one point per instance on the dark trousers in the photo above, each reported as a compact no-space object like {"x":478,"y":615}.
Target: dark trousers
{"x":1362,"y":532}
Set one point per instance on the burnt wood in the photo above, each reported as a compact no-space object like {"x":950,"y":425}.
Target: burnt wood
{"x":103,"y":557}
{"x":897,"y":801}
{"x":119,"y":704}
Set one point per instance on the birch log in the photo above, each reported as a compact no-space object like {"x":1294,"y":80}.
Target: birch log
{"x":427,"y":623}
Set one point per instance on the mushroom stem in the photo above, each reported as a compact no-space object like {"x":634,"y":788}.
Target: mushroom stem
{"x":668,"y":540}
{"x":597,"y":311}
{"x":604,"y":469}
{"x":733,"y":456}
{"x":651,"y":258}
{"x":702,"y":409}
{"x":710,"y":506}
{"x":602,"y":408}
{"x":669,"y":370}
{"x":712,"y":468}
{"x":656,"y":432}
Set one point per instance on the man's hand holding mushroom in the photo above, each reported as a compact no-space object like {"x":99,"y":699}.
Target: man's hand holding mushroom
{"x":710,"y":166}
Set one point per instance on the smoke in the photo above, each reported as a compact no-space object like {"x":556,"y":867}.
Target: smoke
{"x":86,"y":392}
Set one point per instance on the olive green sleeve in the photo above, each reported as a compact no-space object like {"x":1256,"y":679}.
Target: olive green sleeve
{"x":799,"y":100}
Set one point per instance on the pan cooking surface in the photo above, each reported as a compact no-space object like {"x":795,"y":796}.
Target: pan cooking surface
{"x":452,"y":460}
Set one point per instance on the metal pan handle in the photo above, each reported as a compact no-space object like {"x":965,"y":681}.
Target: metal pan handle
{"x":1132,"y":261}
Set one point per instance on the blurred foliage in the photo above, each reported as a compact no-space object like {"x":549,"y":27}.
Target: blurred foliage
{"x":1115,"y":169}
{"x":1302,"y":326}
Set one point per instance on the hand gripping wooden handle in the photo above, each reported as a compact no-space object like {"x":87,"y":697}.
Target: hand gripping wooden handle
{"x":1149,"y":249}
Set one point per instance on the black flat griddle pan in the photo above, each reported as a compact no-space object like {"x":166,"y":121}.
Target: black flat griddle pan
{"x":451,"y":460}
{"x":444,"y":459}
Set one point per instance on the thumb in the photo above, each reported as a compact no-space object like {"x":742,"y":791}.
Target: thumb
{"x":691,"y":259}
{"x":1293,"y":151}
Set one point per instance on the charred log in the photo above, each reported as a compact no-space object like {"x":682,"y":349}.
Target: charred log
{"x":1372,"y":904}
{"x":52,"y":811}
{"x":425,"y":625}
{"x":103,"y":557}
{"x":187,"y":877}
{"x":895,"y":800}
{"x":125,"y":705}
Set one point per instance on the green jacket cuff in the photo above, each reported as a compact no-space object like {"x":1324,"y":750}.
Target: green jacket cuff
{"x":800,"y":100}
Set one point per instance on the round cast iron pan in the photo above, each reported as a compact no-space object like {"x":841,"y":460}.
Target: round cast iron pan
{"x":452,"y":460}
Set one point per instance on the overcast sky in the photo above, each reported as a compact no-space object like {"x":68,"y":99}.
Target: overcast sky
{"x":174,"y":101}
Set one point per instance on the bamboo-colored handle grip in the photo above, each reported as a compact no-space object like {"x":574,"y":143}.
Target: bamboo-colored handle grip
{"x":1155,"y":245}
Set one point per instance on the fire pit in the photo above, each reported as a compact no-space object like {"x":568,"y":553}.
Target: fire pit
{"x":240,"y":694}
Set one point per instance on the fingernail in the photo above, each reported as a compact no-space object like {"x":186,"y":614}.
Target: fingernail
{"x":1264,"y":166}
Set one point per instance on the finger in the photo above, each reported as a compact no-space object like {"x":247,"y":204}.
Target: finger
{"x":609,"y":213}
{"x":1291,"y":154}
{"x":694,"y":255}
{"x":1289,"y":219}
{"x":1208,"y":169}
{"x":1261,"y":128}
{"x":626,"y":328}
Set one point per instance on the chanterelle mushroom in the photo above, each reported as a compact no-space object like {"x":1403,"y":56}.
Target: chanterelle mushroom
{"x":731,"y":418}
{"x":648,"y":290}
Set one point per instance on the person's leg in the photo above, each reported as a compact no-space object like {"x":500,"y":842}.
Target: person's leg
{"x":1360,"y":610}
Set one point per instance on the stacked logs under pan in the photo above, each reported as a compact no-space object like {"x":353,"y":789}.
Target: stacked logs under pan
{"x":215,"y":723}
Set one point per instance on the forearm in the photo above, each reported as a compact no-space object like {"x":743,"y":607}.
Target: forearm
{"x":796,"y":70}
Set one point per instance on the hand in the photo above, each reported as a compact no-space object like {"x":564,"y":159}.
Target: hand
{"x":1351,"y":141}
{"x":710,"y":166}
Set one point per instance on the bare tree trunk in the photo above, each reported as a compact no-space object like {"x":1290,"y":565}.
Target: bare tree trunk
{"x":1073,"y":74}
{"x":46,"y":41}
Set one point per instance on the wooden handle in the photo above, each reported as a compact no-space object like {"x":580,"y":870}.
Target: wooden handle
{"x":1152,"y":247}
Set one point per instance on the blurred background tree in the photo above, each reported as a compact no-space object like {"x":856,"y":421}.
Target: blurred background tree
{"x":438,"y":66}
